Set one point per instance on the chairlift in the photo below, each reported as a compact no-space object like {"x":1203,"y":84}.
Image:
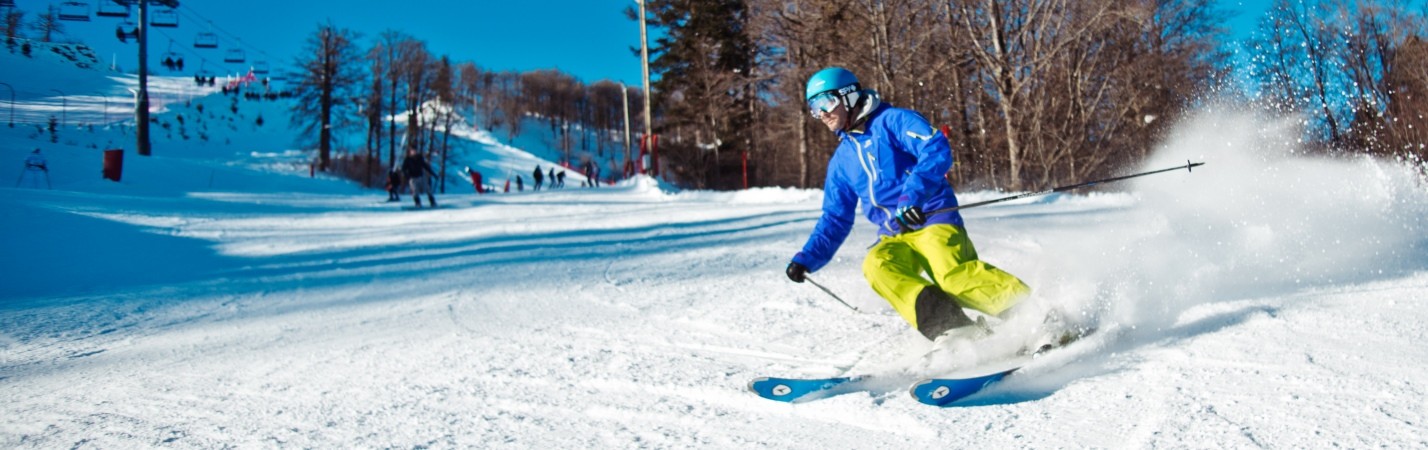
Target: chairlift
{"x":74,"y":11}
{"x":164,"y":18}
{"x":205,"y":40}
{"x":173,"y":61}
{"x":235,"y":55}
{"x":113,"y":9}
{"x":204,"y":77}
{"x":260,"y":67}
{"x":126,"y":31}
{"x":7,"y":3}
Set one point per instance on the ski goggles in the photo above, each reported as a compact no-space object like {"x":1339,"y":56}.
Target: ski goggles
{"x":822,"y":103}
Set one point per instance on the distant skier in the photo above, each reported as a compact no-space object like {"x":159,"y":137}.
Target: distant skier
{"x":35,"y":167}
{"x":416,"y":169}
{"x":892,"y":161}
{"x":476,"y":180}
{"x":560,"y":179}
{"x":550,"y":177}
{"x":394,"y":184}
{"x":37,"y":162}
{"x":537,"y":177}
{"x":520,"y":184}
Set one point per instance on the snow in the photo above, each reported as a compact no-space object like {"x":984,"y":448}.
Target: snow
{"x":218,"y":296}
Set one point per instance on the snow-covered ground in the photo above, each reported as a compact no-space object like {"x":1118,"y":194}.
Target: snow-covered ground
{"x":1264,"y":300}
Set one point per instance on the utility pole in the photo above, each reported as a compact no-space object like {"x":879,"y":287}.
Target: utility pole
{"x":625,"y":100}
{"x":141,"y":109}
{"x":649,"y":140}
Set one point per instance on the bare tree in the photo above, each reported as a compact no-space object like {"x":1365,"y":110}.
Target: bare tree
{"x":328,"y":79}
{"x":48,"y":24}
{"x":414,"y":68}
{"x":14,"y":20}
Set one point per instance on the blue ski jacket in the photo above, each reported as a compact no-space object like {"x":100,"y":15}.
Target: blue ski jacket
{"x":895,"y":159}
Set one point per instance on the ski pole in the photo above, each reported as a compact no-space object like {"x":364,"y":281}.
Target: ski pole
{"x":830,"y":293}
{"x":1188,"y":168}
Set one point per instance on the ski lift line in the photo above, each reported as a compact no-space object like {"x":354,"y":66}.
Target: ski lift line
{"x":188,"y":12}
{"x":188,"y":52}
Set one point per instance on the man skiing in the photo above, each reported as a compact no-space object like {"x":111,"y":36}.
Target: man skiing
{"x":416,"y":169}
{"x":894,"y":162}
{"x":35,"y":167}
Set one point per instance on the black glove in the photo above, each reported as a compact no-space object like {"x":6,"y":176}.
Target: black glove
{"x":911,"y":216}
{"x":796,"y":271}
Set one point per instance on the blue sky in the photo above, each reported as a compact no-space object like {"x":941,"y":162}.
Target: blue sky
{"x":590,"y":39}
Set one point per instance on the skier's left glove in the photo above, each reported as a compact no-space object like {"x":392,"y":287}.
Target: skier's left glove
{"x":910,"y":216}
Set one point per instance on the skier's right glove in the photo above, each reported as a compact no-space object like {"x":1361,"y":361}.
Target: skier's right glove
{"x":910,"y":216}
{"x":796,"y":271}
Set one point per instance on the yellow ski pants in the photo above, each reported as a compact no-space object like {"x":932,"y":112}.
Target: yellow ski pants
{"x":898,"y":268}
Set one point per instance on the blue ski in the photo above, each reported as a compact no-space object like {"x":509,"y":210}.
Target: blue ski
{"x":793,"y":390}
{"x":944,"y":391}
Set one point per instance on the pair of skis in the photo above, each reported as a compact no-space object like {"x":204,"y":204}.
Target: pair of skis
{"x":939,"y":391}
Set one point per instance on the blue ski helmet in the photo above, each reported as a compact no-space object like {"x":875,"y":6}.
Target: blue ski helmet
{"x":832,"y":78}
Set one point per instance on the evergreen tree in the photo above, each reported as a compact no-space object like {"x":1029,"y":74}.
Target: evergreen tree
{"x":705,"y":89}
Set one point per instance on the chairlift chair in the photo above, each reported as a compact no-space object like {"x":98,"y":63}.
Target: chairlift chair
{"x":126,"y":31}
{"x":7,"y":3}
{"x":235,"y":55}
{"x":260,"y":67}
{"x":173,"y":61}
{"x":205,"y":40}
{"x":74,"y":11}
{"x":164,"y":18}
{"x":113,"y":9}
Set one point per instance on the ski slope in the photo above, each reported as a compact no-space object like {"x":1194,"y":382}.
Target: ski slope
{"x":1265,"y":300}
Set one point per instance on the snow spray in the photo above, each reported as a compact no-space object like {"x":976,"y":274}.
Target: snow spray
{"x":1268,"y":220}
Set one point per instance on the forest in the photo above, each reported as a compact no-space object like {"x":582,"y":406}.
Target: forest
{"x":1031,"y":93}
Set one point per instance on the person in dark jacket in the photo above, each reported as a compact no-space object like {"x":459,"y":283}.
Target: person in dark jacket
{"x":893,"y":162}
{"x":394,"y":184}
{"x":538,"y":177}
{"x":416,"y":169}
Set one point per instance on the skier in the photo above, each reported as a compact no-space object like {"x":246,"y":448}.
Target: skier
{"x":476,"y":180}
{"x":538,"y":176}
{"x":394,"y":184}
{"x":416,"y":170}
{"x":560,"y":179}
{"x":551,"y":177}
{"x":35,"y":167}
{"x":893,"y":162}
{"x":520,"y":184}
